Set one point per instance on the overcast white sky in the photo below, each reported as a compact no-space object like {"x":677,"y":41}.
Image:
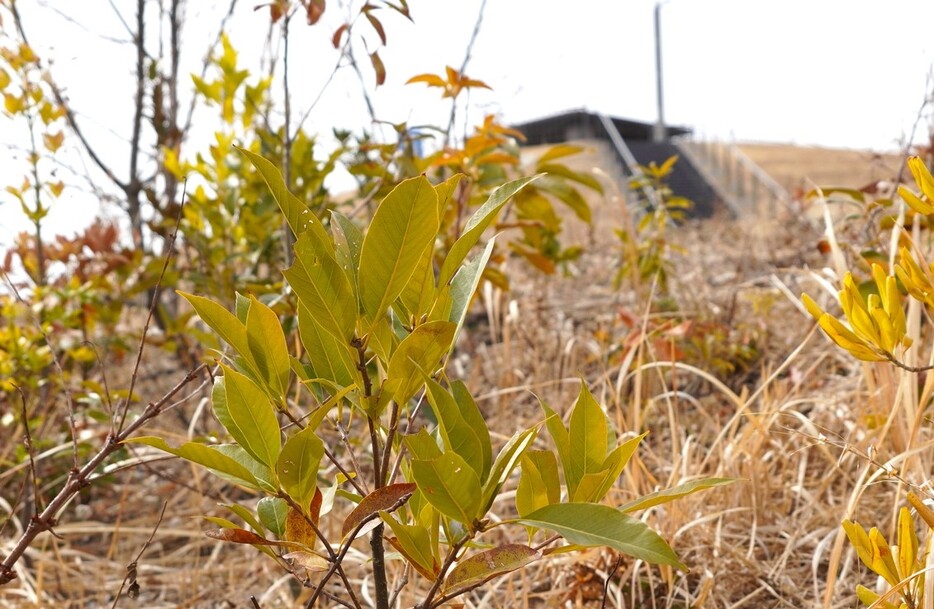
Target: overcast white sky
{"x":832,"y":72}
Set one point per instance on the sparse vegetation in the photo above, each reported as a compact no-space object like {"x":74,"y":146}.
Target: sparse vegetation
{"x":524,"y":423}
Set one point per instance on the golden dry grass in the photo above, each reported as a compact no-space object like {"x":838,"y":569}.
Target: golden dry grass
{"x":791,"y":426}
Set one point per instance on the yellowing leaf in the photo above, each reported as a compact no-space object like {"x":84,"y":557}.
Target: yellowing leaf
{"x":484,"y":566}
{"x":922,"y":175}
{"x":13,"y":103}
{"x":53,"y":141}
{"x":432,"y":80}
{"x":404,"y":225}
{"x":298,"y":464}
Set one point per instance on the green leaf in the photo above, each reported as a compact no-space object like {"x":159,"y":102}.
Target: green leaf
{"x":587,"y":436}
{"x":331,"y":359}
{"x":559,"y":435}
{"x":322,"y":287}
{"x":474,"y":419}
{"x":422,"y":445}
{"x":450,"y":485}
{"x":422,"y":350}
{"x":539,"y":484}
{"x":445,"y":191}
{"x":404,"y":225}
{"x":245,"y":514}
{"x":592,"y":525}
{"x":265,"y":476}
{"x":594,"y":486}
{"x":458,"y":435}
{"x":416,"y":297}
{"x":247,"y":414}
{"x":267,"y":346}
{"x":203,"y":455}
{"x":567,"y":194}
{"x":380,"y":500}
{"x":670,"y":494}
{"x":298,"y":466}
{"x":484,"y":566}
{"x":272,"y":513}
{"x":222,"y":321}
{"x":297,"y":214}
{"x":347,"y":241}
{"x":505,"y":462}
{"x":242,"y":307}
{"x":557,"y":169}
{"x":478,"y":222}
{"x":414,"y":543}
{"x":464,"y":286}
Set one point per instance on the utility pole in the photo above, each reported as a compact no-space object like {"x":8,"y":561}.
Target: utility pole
{"x":659,"y":134}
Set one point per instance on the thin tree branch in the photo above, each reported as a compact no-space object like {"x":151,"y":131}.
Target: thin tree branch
{"x":69,"y":114}
{"x":79,"y":479}
{"x":134,"y":187}
{"x":152,"y":309}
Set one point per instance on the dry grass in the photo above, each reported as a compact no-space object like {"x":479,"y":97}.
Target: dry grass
{"x":791,"y":426}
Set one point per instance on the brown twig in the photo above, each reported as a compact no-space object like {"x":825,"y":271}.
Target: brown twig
{"x":430,"y":601}
{"x":79,"y":479}
{"x":152,"y":309}
{"x":130,"y":576}
{"x":339,"y":558}
{"x":27,"y":440}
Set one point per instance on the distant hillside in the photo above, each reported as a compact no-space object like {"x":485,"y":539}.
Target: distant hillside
{"x":803,"y":167}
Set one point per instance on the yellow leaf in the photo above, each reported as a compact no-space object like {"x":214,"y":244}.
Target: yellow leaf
{"x":53,"y":142}
{"x":432,"y":80}
{"x":812,"y":307}
{"x":907,"y":543}
{"x":4,"y":79}
{"x":922,"y":175}
{"x":882,"y":561}
{"x":846,"y":339}
{"x":915,"y":202}
{"x":56,"y":188}
{"x":170,"y":162}
{"x":860,"y":540}
{"x":13,"y":103}
{"x":26,"y":53}
{"x":926,"y":514}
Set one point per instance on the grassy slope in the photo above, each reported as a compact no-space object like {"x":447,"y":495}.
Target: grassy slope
{"x":771,"y":540}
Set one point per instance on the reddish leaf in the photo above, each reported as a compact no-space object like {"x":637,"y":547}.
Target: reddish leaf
{"x":315,"y":9}
{"x":378,"y":67}
{"x":379,"y":500}
{"x":239,"y":536}
{"x":315,"y":509}
{"x":298,"y":529}
{"x":339,"y":34}
{"x":377,"y":26}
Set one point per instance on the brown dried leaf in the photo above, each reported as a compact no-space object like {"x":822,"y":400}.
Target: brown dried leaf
{"x":377,"y":501}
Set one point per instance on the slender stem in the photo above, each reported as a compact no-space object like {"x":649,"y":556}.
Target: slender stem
{"x":289,"y":241}
{"x":134,"y":186}
{"x":37,"y":192}
{"x":79,"y":479}
{"x":380,"y":583}
{"x":429,"y":601}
